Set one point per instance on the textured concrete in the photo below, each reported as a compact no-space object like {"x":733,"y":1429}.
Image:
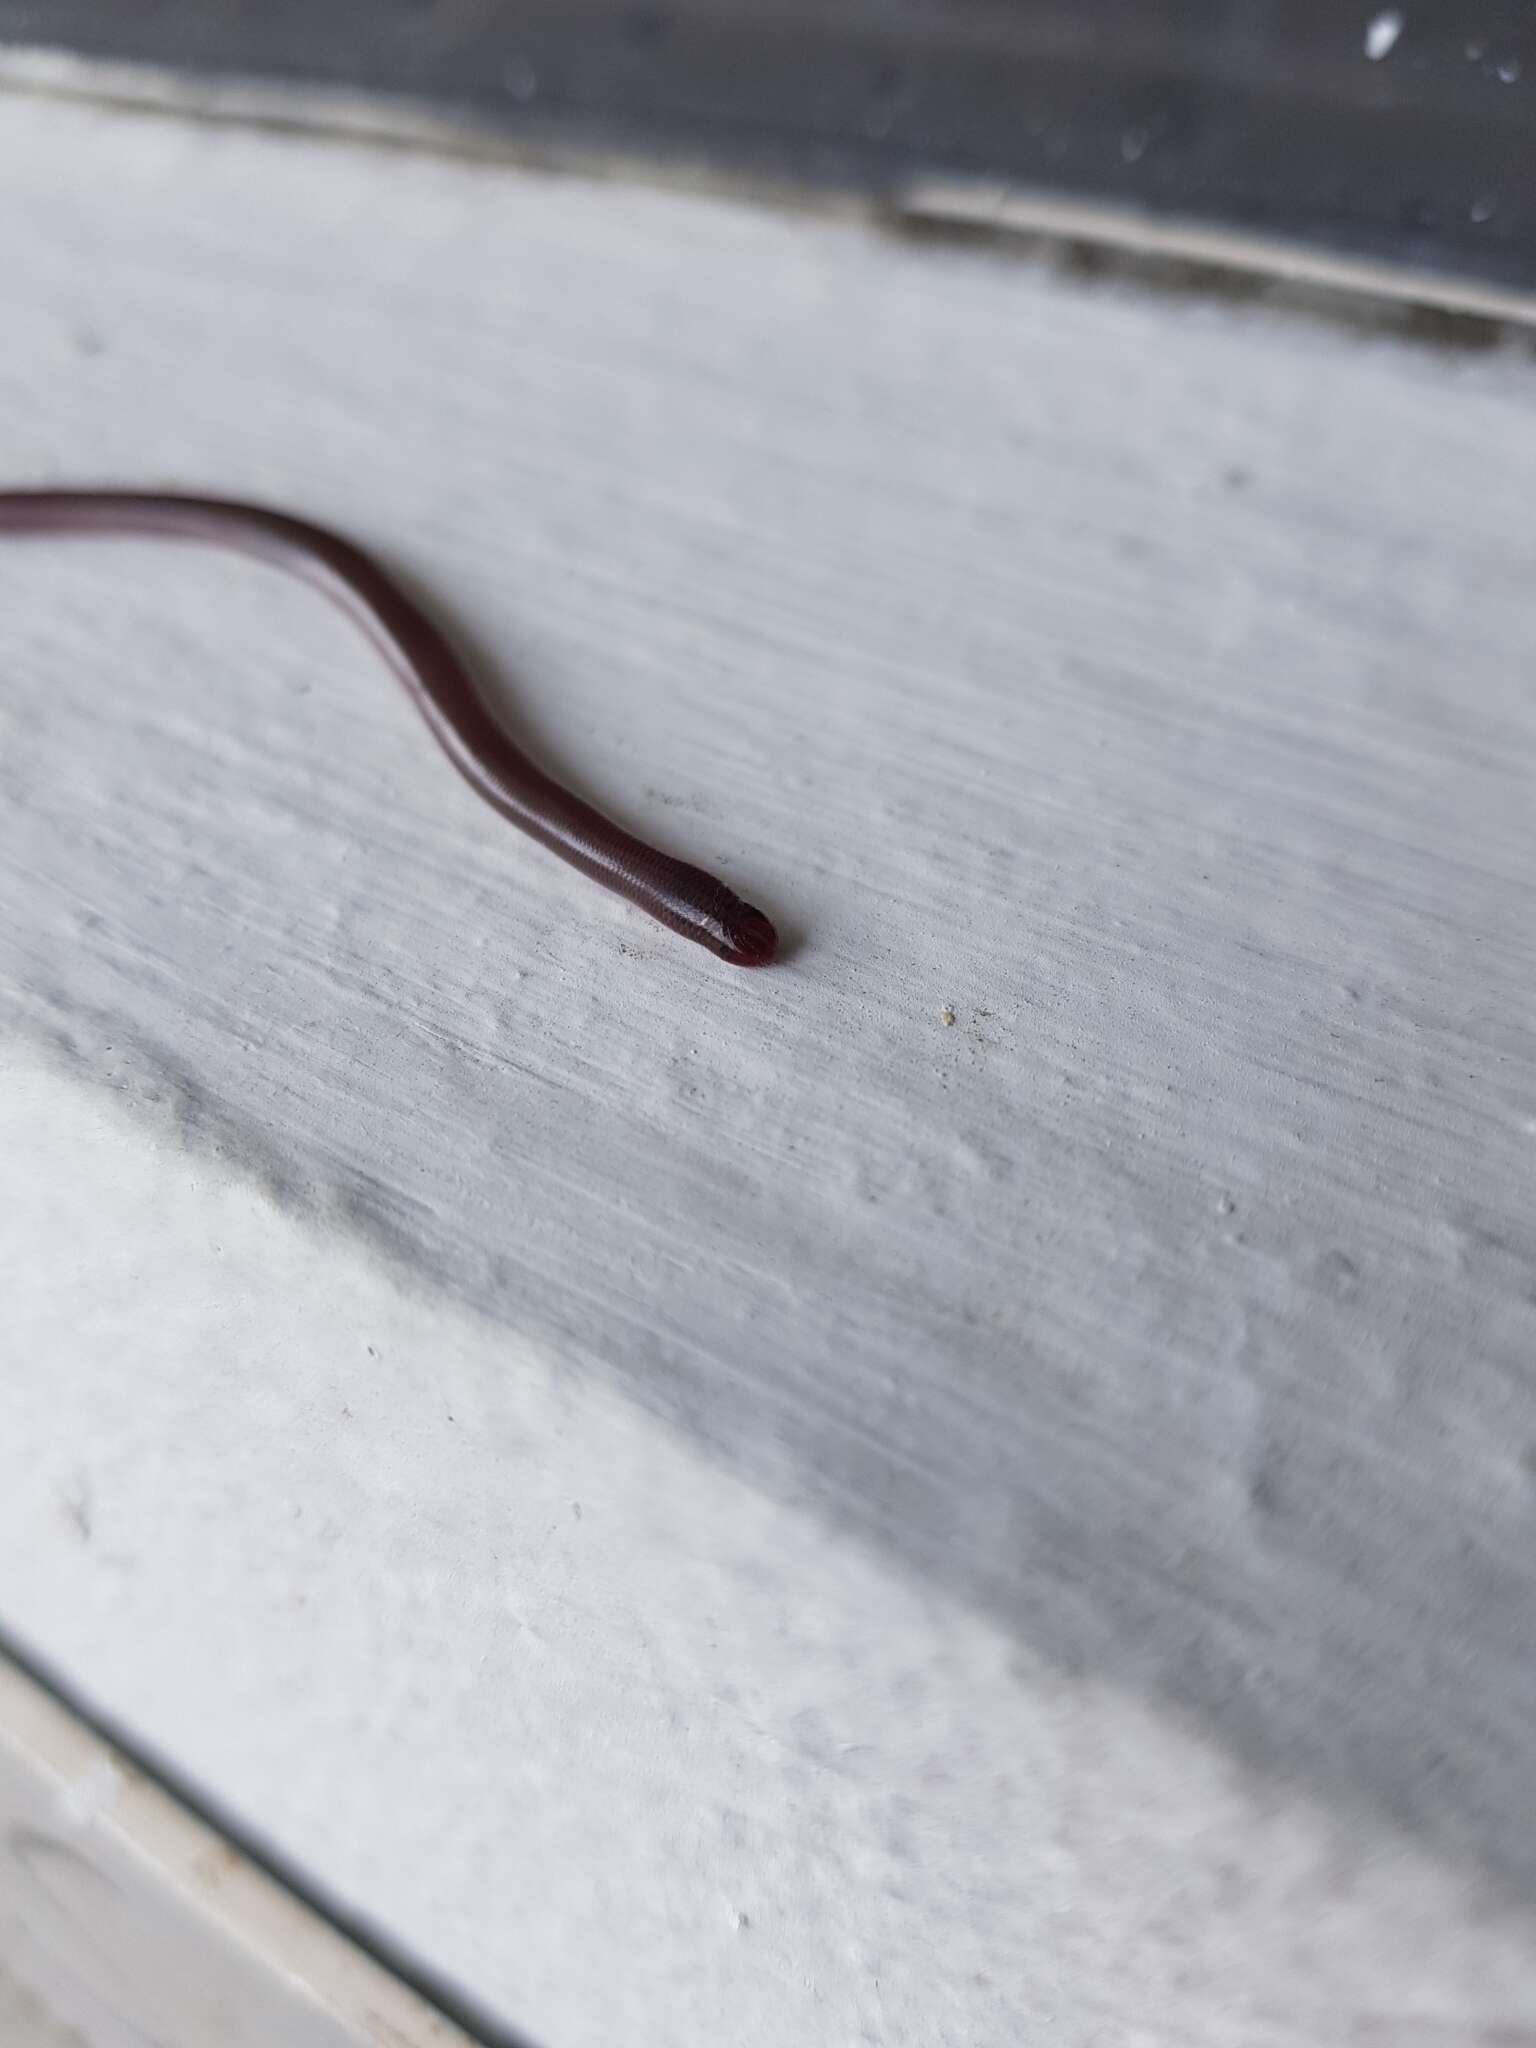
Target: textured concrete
{"x":1143,"y":683}
{"x":624,"y":1746}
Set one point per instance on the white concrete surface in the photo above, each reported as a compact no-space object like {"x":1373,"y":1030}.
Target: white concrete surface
{"x":630,"y":1749}
{"x":1054,"y":1558}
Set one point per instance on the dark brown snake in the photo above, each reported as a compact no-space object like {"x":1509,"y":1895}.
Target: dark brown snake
{"x":683,"y":898}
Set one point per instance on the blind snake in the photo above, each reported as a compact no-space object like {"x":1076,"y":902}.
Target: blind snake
{"x":683,"y":898}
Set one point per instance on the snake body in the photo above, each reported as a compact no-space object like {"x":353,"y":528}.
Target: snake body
{"x":439,"y":684}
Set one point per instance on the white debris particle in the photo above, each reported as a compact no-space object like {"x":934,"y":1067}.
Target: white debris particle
{"x":93,"y":1793}
{"x":1133,"y":144}
{"x":1509,"y":70}
{"x":1382,"y":33}
{"x":1483,"y":209}
{"x":1477,"y":49}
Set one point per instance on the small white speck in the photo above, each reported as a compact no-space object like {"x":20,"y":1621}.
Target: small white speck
{"x":520,"y":79}
{"x":1477,"y":49}
{"x":1382,"y":33}
{"x":1509,"y":70}
{"x":93,"y":1793}
{"x":1483,"y":209}
{"x":1133,"y":144}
